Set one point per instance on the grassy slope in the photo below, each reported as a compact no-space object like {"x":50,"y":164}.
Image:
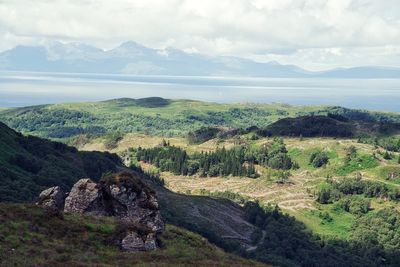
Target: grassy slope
{"x":295,"y":198}
{"x":62,"y":165}
{"x":29,"y":237}
{"x":30,"y":164}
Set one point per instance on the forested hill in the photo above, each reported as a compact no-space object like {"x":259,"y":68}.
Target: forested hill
{"x":162,"y":117}
{"x":328,"y":126}
{"x":29,"y":164}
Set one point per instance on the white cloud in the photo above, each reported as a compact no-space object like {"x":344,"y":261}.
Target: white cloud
{"x":312,"y":33}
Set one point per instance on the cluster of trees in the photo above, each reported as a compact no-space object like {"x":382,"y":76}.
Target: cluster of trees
{"x":390,"y":143}
{"x":221,"y":162}
{"x":238,"y":161}
{"x":54,"y":123}
{"x":166,"y":158}
{"x":224,"y":162}
{"x":336,"y":190}
{"x":354,"y":204}
{"x":381,"y":228}
{"x":374,"y":241}
{"x":273,"y":155}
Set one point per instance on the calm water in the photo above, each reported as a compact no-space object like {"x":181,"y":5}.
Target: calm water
{"x":22,"y":89}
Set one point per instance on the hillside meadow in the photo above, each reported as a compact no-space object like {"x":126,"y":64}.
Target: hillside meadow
{"x":297,"y":196}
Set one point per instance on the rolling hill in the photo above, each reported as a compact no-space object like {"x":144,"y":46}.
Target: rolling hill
{"x":328,"y":126}
{"x":162,"y":117}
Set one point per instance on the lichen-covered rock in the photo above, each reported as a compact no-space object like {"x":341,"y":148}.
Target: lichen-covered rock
{"x":52,"y":198}
{"x":85,"y":197}
{"x":123,"y":195}
{"x":132,"y":200}
{"x":150,"y":242}
{"x":135,"y":207}
{"x":133,"y":242}
{"x":126,"y":197}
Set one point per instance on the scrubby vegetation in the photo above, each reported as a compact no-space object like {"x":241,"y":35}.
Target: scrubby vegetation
{"x":308,"y":126}
{"x":330,"y":125}
{"x":337,"y":171}
{"x":336,"y":190}
{"x":31,"y":237}
{"x":158,"y":116}
{"x":319,"y":159}
{"x":29,"y":164}
{"x":289,"y":243}
{"x":389,"y":143}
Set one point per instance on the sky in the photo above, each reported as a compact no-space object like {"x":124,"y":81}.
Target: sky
{"x":313,"y":34}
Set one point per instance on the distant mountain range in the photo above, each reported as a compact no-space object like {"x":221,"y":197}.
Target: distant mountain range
{"x":133,"y":58}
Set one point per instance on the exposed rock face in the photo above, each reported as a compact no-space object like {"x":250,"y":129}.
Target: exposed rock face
{"x":85,"y":197}
{"x":124,"y":196}
{"x":133,"y":242}
{"x":130,"y":204}
{"x":52,"y":198}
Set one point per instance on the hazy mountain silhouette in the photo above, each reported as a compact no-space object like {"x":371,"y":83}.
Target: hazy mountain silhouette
{"x":133,"y":58}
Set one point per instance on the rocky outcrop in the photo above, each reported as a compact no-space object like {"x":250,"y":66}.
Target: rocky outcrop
{"x":52,"y":198}
{"x":85,"y":197}
{"x":134,"y":242}
{"x":122,"y":195}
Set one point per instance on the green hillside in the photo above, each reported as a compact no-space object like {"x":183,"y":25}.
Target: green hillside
{"x":329,"y":126}
{"x":31,"y":237}
{"x":326,"y":192}
{"x":29,"y":164}
{"x":158,"y":116}
{"x":336,"y":186}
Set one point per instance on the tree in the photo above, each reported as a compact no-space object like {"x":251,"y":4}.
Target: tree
{"x":324,"y":196}
{"x":319,"y":159}
{"x":387,"y":156}
{"x":280,"y":161}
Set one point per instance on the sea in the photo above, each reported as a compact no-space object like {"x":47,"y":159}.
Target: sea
{"x":19,"y":89}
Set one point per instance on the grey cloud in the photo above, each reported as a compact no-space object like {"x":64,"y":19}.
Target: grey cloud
{"x":223,"y":27}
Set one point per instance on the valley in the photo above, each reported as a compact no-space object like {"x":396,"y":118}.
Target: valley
{"x":200,"y":133}
{"x":253,"y":179}
{"x":297,"y":197}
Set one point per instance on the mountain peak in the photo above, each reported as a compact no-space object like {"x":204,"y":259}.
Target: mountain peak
{"x":134,"y":58}
{"x":131,"y":45}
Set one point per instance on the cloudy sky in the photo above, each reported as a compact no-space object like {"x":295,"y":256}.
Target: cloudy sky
{"x":314,"y":34}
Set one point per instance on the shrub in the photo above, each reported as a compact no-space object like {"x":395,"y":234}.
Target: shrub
{"x":319,"y":159}
{"x":355,"y":205}
{"x":280,"y":161}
